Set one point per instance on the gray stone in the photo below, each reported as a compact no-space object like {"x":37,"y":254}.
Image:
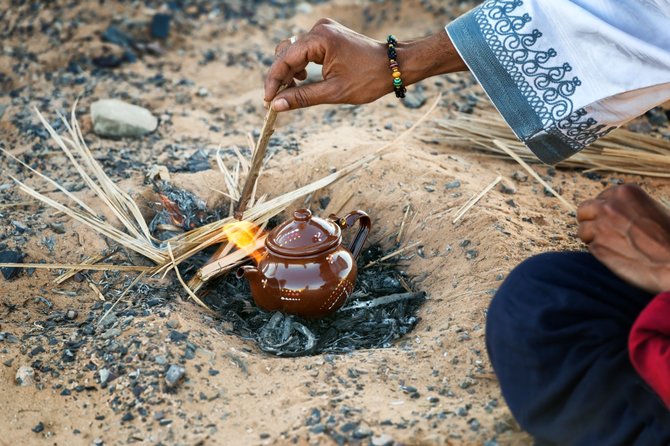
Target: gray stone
{"x":117,"y":119}
{"x":25,"y":376}
{"x":111,"y":333}
{"x":507,"y":188}
{"x":202,"y":92}
{"x":104,"y":376}
{"x":160,"y":360}
{"x":304,"y":8}
{"x":3,"y":107}
{"x":520,"y":176}
{"x":414,"y":98}
{"x":382,"y":440}
{"x":453,"y":184}
{"x":362,"y":432}
{"x":174,"y":374}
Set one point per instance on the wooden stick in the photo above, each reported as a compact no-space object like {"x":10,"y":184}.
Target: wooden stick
{"x":229,"y":260}
{"x":402,"y":224}
{"x":384,"y":300}
{"x":393,"y":254}
{"x":472,"y":201}
{"x":535,"y":175}
{"x":256,"y":162}
{"x":80,"y":266}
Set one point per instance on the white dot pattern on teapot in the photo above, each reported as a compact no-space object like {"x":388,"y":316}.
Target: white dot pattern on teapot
{"x":289,"y":237}
{"x":290,"y":295}
{"x":341,"y":291}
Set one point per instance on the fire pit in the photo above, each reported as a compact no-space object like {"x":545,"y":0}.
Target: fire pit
{"x":381,"y":309}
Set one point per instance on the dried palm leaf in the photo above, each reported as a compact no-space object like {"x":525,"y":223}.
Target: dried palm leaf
{"x":621,"y":151}
{"x":135,"y":234}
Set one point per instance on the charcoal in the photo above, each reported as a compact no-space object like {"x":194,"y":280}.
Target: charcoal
{"x":178,"y":210}
{"x":378,"y":313}
{"x":160,"y":26}
{"x":8,"y":272}
{"x":114,"y":35}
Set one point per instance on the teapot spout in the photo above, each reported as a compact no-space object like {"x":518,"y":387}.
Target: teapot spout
{"x":250,"y":272}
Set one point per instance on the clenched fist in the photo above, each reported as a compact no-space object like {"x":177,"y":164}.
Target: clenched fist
{"x":629,"y":232}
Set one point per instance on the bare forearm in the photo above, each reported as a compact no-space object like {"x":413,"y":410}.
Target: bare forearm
{"x":430,"y":56}
{"x":355,"y":68}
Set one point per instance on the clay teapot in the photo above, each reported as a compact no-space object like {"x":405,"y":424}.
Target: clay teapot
{"x":305,"y":270}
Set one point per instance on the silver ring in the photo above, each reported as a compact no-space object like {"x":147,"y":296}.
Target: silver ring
{"x":293,"y":39}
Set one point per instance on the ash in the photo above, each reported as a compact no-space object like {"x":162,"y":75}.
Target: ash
{"x":178,"y":211}
{"x":379,"y":311}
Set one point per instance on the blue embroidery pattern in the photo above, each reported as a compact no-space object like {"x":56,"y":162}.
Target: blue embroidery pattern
{"x":547,"y":86}
{"x":578,"y":132}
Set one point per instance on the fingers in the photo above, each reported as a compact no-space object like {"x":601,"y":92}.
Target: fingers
{"x":281,"y":47}
{"x":589,"y":210}
{"x":587,"y":231}
{"x":304,"y":96}
{"x":291,"y":63}
{"x":301,"y":76}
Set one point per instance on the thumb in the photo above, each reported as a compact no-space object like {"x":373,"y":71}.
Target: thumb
{"x":304,"y":96}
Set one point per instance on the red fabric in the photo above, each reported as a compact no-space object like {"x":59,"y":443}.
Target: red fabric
{"x":649,"y":345}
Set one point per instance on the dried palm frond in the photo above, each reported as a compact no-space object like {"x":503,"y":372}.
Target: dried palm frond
{"x":621,"y":151}
{"x":135,"y":234}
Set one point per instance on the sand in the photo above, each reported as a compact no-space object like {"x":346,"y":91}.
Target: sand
{"x":255,"y":398}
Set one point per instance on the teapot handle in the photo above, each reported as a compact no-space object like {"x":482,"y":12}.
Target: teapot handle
{"x":364,"y":223}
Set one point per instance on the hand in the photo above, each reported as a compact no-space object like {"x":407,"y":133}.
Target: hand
{"x":355,"y":67}
{"x":629,"y":232}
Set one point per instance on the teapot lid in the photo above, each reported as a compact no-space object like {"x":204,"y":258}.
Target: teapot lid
{"x":305,"y":235}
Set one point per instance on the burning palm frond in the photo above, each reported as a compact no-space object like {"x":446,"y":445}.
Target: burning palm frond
{"x":621,"y":151}
{"x":135,"y":234}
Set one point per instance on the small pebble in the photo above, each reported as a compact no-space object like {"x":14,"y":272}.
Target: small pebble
{"x":39,"y":427}
{"x":174,"y":374}
{"x":453,"y":184}
{"x":507,"y":188}
{"x":382,"y":440}
{"x":104,"y":376}
{"x":173,"y":323}
{"x":9,"y":272}
{"x":25,"y":376}
{"x":362,"y":432}
{"x":520,"y":176}
{"x":160,"y":26}
{"x":471,"y":254}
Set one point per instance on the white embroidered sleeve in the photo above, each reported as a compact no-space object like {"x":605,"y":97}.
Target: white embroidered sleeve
{"x":565,"y":72}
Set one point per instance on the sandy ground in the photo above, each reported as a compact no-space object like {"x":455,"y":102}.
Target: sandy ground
{"x":253,"y":398}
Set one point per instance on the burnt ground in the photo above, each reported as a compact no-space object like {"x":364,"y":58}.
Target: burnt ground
{"x":159,"y":369}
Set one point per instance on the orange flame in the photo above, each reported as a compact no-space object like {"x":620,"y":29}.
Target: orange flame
{"x":246,"y":237}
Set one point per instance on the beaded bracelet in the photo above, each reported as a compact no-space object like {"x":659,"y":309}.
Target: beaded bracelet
{"x":393,"y":64}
